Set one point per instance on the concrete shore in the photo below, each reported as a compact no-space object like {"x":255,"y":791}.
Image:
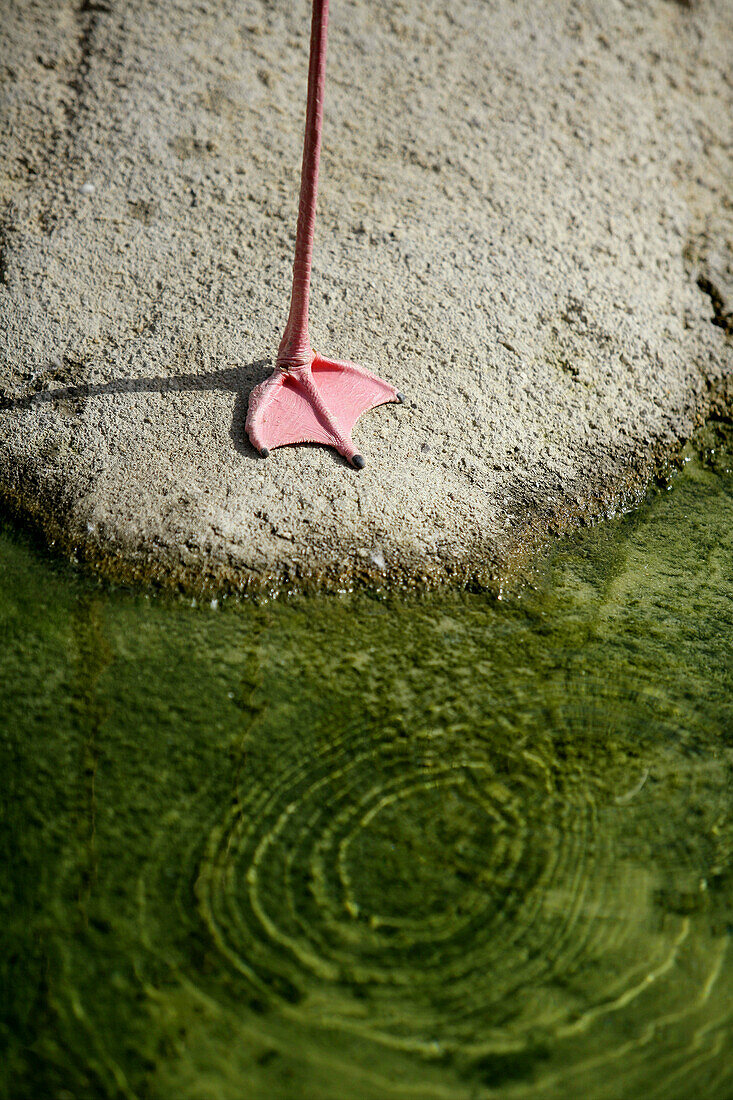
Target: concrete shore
{"x":525,"y":224}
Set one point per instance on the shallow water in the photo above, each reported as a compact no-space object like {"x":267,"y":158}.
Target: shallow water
{"x":363,"y":848}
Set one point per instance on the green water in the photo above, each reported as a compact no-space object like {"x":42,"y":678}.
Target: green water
{"x":377,"y":848}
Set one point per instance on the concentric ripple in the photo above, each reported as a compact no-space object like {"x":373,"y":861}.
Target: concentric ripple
{"x":504,"y":903}
{"x":400,"y":877}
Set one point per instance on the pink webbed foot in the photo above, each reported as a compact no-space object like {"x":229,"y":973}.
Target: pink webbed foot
{"x":316,"y":403}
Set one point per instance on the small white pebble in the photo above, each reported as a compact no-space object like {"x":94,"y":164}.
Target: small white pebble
{"x":377,"y":559}
{"x":214,"y":604}
{"x":87,"y":188}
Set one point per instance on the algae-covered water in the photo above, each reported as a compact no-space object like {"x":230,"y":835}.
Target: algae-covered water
{"x":379,"y":848}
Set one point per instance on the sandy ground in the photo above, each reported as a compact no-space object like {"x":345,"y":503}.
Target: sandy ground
{"x":525,"y":224}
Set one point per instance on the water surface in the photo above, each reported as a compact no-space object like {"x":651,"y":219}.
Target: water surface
{"x":376,"y":848}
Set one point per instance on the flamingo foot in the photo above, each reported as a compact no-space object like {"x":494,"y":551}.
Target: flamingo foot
{"x":318,"y":402}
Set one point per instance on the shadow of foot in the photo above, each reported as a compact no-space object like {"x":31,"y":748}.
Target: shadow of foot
{"x":237,"y":380}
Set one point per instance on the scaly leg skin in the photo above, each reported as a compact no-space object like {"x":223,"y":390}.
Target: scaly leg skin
{"x":309,"y":399}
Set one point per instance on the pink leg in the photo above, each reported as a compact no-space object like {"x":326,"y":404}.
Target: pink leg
{"x":309,"y":398}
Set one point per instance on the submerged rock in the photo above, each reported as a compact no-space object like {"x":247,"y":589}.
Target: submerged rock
{"x":522,"y":227}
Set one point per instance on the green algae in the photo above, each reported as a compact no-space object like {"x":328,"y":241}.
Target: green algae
{"x":363,"y":848}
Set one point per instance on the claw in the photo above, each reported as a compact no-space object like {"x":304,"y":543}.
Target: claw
{"x":315,"y":403}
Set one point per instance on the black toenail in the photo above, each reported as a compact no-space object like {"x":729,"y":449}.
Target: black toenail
{"x":264,"y":452}
{"x":359,"y":462}
{"x":401,"y":397}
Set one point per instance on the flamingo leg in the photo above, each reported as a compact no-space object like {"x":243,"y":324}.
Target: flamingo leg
{"x":308,"y":398}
